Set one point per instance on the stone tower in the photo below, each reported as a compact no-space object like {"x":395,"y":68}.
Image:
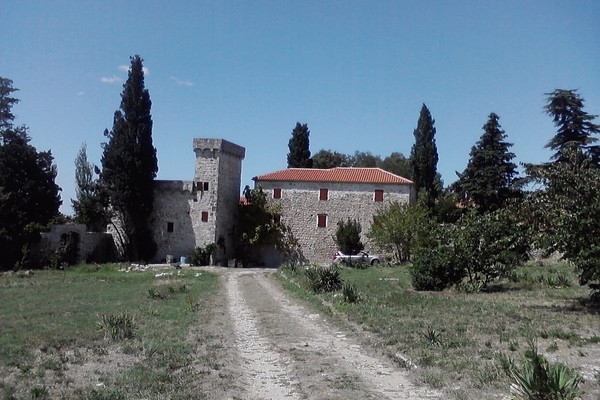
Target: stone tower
{"x":217,"y":181}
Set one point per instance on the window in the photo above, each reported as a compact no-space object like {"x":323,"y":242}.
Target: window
{"x":277,"y":218}
{"x":277,"y":193}
{"x":170,"y":227}
{"x":204,"y":216}
{"x":323,"y":194}
{"x":205,"y":186}
{"x":378,"y":195}
{"x":322,"y":220}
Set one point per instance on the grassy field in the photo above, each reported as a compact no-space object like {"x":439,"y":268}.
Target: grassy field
{"x":457,"y":339}
{"x":100,"y":333}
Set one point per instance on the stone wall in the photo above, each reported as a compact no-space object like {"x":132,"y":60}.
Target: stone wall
{"x":93,"y":246}
{"x":301,"y":206}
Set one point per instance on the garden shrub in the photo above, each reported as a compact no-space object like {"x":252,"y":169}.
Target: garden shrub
{"x":436,"y":269}
{"x":201,"y":255}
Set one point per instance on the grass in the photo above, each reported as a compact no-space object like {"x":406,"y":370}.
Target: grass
{"x":455,"y":337}
{"x":55,"y":321}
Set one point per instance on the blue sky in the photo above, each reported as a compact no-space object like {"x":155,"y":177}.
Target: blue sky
{"x":356,"y":72}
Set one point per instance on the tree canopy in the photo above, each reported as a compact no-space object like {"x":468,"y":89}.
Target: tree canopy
{"x":29,"y":196}
{"x":489,"y":179}
{"x":90,"y":207}
{"x":299,"y":145}
{"x":129,"y":166}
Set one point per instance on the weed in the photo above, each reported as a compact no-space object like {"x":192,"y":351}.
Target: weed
{"x":513,"y":345}
{"x":432,"y":336}
{"x":553,"y":347}
{"x":322,"y":279}
{"x":350,"y":293}
{"x":156,"y":294}
{"x":192,"y":305}
{"x":116,"y":327}
{"x":39,"y":392}
{"x":103,"y":394}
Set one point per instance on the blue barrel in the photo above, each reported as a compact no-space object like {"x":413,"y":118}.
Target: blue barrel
{"x":183,"y":260}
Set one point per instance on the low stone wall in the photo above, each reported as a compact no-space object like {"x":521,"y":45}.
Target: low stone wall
{"x":93,"y":246}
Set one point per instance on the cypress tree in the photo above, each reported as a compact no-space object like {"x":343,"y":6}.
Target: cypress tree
{"x":488,"y":180}
{"x":129,"y":166}
{"x":424,"y":158}
{"x":299,"y":145}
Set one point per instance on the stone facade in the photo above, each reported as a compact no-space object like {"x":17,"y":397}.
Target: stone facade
{"x":312,"y":209}
{"x":93,"y":246}
{"x":190,"y":214}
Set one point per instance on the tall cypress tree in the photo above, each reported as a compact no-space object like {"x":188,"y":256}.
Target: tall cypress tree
{"x":575,"y":126}
{"x":129,"y":166}
{"x":424,"y":158}
{"x":488,"y":180}
{"x":299,"y":145}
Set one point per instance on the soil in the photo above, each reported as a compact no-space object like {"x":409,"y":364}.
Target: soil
{"x":287,"y":352}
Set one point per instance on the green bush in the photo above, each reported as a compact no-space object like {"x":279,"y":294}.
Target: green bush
{"x":201,"y":255}
{"x":347,"y":237}
{"x":436,"y":269}
{"x":321,"y":279}
{"x":350,"y":293}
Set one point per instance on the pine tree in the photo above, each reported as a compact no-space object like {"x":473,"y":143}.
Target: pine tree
{"x":424,"y":158}
{"x":489,"y":179}
{"x":29,"y":196}
{"x":299,"y":145}
{"x":575,"y":126}
{"x":129,"y":166}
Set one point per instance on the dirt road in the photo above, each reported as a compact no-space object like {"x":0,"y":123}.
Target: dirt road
{"x":285,"y":352}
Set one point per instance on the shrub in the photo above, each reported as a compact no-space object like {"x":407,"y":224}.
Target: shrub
{"x":436,"y":269}
{"x":347,"y":236}
{"x":201,"y":255}
{"x":321,"y":279}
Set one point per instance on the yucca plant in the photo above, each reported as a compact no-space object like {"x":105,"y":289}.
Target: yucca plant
{"x":432,"y":336}
{"x":538,"y":379}
{"x":322,"y":279}
{"x":350,"y":293}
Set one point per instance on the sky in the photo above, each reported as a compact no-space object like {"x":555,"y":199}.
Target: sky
{"x":357,"y":72}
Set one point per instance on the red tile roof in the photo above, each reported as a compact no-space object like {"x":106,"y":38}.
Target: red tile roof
{"x":339,"y":174}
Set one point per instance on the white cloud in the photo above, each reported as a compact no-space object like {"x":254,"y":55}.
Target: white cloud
{"x":180,"y":82}
{"x":80,"y":93}
{"x":111,"y":79}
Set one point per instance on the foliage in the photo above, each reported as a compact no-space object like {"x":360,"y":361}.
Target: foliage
{"x":538,"y":379}
{"x":326,"y":159}
{"x":398,"y":164}
{"x":489,"y":179}
{"x":67,"y":251}
{"x":299,"y":145}
{"x":488,"y":246}
{"x":201,"y":255}
{"x":116,"y":327}
{"x":258,"y":227}
{"x":29,"y":196}
{"x":322,"y":279}
{"x":566,"y":211}
{"x":436,"y":269}
{"x":424,"y":157}
{"x":347,"y":236}
{"x":401,"y":229}
{"x":90,"y":207}
{"x":575,"y":127}
{"x":129,"y":166}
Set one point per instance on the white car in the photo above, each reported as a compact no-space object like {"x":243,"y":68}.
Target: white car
{"x":361,"y":257}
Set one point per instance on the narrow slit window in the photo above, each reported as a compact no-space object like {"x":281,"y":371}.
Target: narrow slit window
{"x":170,"y":227}
{"x":204,"y":217}
{"x":322,"y":220}
{"x":323,"y":194}
{"x":205,"y":186}
{"x":277,"y":193}
{"x":378,"y":195}
{"x":277,"y":218}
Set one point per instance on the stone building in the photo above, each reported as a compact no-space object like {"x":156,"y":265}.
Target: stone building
{"x":190,"y":214}
{"x":313,"y":201}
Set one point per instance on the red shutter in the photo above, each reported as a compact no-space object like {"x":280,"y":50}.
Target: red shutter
{"x":277,"y":193}
{"x":322,"y":220}
{"x":378,"y":195}
{"x":323,"y":194}
{"x":204,"y":216}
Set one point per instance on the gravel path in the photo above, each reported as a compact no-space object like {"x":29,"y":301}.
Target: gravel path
{"x":288,"y":353}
